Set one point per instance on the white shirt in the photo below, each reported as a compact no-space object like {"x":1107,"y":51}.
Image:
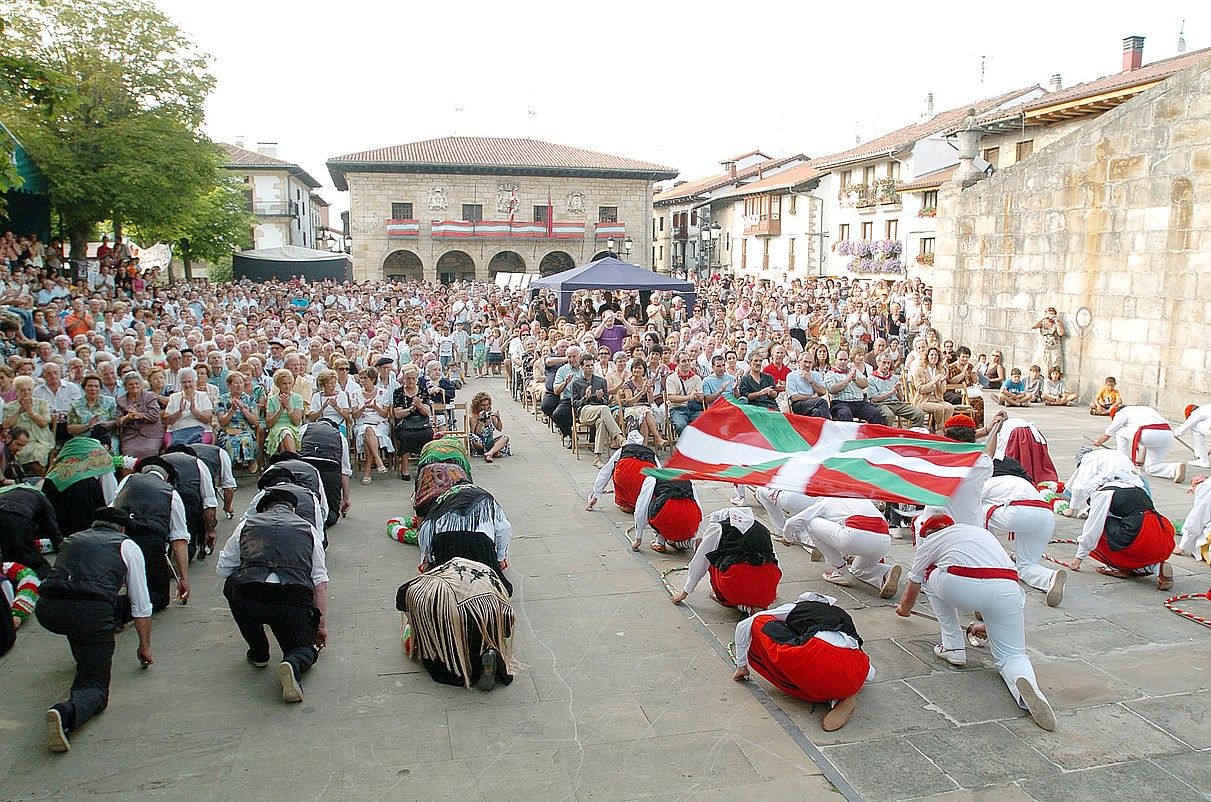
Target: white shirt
{"x":342,"y":400}
{"x":1008,"y":427}
{"x":1095,"y":524}
{"x":1098,"y":467}
{"x":1199,"y":420}
{"x":176,"y":402}
{"x":178,"y":527}
{"x":644,"y":501}
{"x":226,"y":477}
{"x":1198,"y":520}
{"x":1000,"y":490}
{"x":61,"y":400}
{"x":961,"y":544}
{"x":1128,"y":420}
{"x":744,"y":630}
{"x":229,"y":557}
{"x":830,"y":509}
{"x":136,"y":579}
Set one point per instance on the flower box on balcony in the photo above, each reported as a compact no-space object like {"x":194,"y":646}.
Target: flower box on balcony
{"x":925,"y":259}
{"x":928,"y":211}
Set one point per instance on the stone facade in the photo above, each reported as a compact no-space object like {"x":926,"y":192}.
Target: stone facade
{"x":1114,"y":217}
{"x":372,"y":193}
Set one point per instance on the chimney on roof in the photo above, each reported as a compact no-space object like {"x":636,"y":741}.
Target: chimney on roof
{"x":269,"y":149}
{"x":929,"y":105}
{"x":1133,"y":53}
{"x":1057,"y":82}
{"x":239,"y":141}
{"x":731,"y":169}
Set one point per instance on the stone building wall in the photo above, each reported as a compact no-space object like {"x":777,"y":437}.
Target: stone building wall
{"x":1114,"y":217}
{"x":371,"y":196}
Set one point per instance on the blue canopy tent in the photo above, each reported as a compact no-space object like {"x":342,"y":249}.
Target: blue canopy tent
{"x":611,"y":274}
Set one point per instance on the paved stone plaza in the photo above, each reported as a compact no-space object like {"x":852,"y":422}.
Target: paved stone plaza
{"x":623,"y":695}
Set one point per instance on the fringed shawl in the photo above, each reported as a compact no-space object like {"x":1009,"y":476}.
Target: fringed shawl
{"x":443,"y":605}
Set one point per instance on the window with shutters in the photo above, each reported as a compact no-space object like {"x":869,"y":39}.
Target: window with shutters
{"x":609,"y":214}
{"x":790,"y":254}
{"x":401,"y":211}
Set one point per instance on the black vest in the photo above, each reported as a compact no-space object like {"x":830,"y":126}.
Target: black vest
{"x":188,"y":484}
{"x":211,"y":459}
{"x":306,"y":475}
{"x":667,"y":489}
{"x":321,"y":441}
{"x":1128,"y":506}
{"x":150,"y":499}
{"x":639,"y":452}
{"x":90,"y":565}
{"x":305,"y":508}
{"x":275,"y":541}
{"x":808,"y":618}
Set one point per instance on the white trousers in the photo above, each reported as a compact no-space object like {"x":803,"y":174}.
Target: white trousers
{"x":1001,"y":602}
{"x":1198,"y":443}
{"x":836,"y":542}
{"x":1031,"y":529}
{"x":1155,"y":445}
{"x":779,"y":505}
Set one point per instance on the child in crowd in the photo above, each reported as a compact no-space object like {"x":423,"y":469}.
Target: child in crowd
{"x":1034,"y":384}
{"x":1013,"y":391}
{"x":1055,"y":390}
{"x":462,"y":345}
{"x":1107,"y":399}
{"x":479,"y":346}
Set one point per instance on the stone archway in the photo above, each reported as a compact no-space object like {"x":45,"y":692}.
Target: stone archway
{"x":403,"y":264}
{"x":600,"y":255}
{"x":455,"y":266}
{"x":506,"y":262}
{"x":555,"y":262}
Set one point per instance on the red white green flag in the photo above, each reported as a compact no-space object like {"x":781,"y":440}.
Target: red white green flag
{"x":742,"y":444}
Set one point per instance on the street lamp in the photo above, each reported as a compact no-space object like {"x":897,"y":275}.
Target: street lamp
{"x":331,"y":242}
{"x":709,"y":235}
{"x":348,"y":244}
{"x":627,"y":244}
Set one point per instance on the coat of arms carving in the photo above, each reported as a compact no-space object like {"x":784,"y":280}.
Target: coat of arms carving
{"x":437,"y":199}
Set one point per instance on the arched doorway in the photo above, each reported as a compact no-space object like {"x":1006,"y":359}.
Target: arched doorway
{"x":455,"y":266}
{"x":505,"y":262}
{"x":403,"y":264}
{"x":600,"y":255}
{"x":555,"y":262}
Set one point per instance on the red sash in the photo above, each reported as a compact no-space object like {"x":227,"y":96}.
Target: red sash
{"x":678,"y":519}
{"x":1153,"y":544}
{"x":1135,"y":441}
{"x":817,"y":671}
{"x":976,"y":573}
{"x":867,"y":523}
{"x":628,"y":481}
{"x":746,"y":584}
{"x":1022,"y":502}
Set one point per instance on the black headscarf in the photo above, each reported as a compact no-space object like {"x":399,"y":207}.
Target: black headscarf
{"x":1009,"y":466}
{"x":752,"y":546}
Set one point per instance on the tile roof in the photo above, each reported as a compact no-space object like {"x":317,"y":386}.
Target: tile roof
{"x":688,"y":190}
{"x":1147,"y":74}
{"x":784,"y":180}
{"x":744,"y":156}
{"x":929,"y":180}
{"x":903,"y":137}
{"x":492,"y":155}
{"x":242,"y":158}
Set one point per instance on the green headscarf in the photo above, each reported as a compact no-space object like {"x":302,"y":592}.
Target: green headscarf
{"x":80,"y":458}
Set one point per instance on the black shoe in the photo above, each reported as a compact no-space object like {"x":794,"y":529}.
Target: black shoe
{"x":487,"y":680}
{"x":256,"y":662}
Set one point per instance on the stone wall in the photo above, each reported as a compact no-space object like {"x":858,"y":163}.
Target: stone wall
{"x":371,"y":196}
{"x":1114,"y":217}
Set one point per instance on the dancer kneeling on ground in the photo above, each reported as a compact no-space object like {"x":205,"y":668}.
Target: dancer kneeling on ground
{"x":1014,"y":509}
{"x":738,"y":554}
{"x":1126,"y":533}
{"x":461,"y":624}
{"x":963,"y":567}
{"x":810,"y":650}
{"x":1196,"y":530}
{"x":79,"y":599}
{"x":465,"y":521}
{"x":672,"y":509}
{"x":844,"y":528}
{"x":275,"y":574}
{"x":625,"y":467}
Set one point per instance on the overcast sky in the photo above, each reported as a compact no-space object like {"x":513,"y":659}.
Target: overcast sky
{"x":682,"y":84}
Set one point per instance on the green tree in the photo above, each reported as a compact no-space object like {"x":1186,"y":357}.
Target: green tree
{"x":113,"y":111}
{"x":217,"y":223}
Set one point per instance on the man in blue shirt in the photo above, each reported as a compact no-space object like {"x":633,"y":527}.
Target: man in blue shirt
{"x":804,"y":392}
{"x":719,"y":383}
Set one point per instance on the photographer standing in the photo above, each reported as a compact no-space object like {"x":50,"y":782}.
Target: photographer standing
{"x":1051,"y":332}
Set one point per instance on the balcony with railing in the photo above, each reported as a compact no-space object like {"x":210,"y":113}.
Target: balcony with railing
{"x":763,"y":224}
{"x":274,"y":208}
{"x":681,"y":233}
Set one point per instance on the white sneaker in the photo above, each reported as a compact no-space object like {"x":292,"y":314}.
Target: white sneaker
{"x":56,"y":737}
{"x":956,"y":657}
{"x":292,"y":691}
{"x":1055,"y":593}
{"x":840,"y":576}
{"x":1199,"y":463}
{"x":737,"y":501}
{"x":1039,"y":707}
{"x":1180,"y":475}
{"x":891,"y":583}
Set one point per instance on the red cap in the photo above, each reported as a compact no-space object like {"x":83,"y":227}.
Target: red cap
{"x":1190,"y":409}
{"x":961,"y":422}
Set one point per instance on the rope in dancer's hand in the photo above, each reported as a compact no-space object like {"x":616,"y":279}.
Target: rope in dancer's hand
{"x":1056,"y":560}
{"x":664,"y":578}
{"x":1198,"y":619}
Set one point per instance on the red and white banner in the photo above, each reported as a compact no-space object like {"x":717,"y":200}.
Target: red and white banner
{"x":403,"y":228}
{"x":607,"y":230}
{"x":507,"y":229}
